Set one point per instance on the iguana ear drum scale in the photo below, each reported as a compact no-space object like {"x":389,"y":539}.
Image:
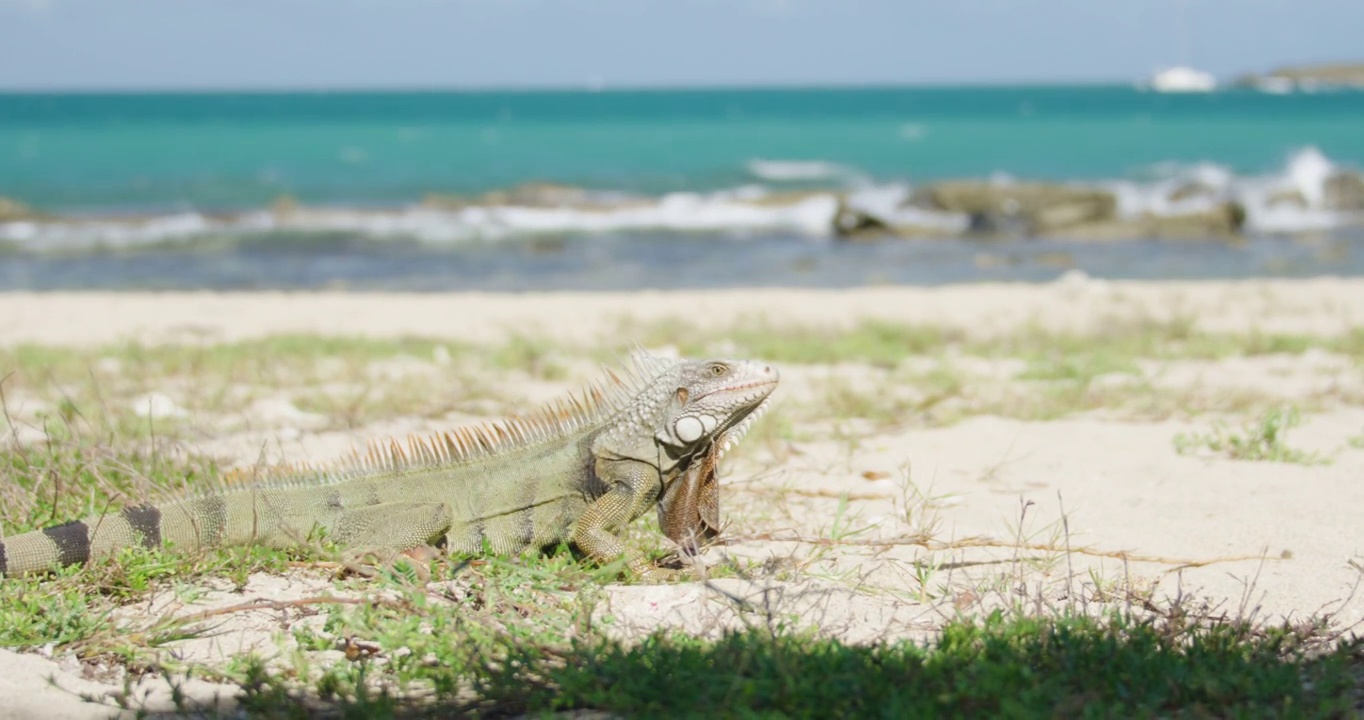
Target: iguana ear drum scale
{"x":578,"y":469}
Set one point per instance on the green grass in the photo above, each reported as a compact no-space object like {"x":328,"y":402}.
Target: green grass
{"x":346,"y":382}
{"x":1063,"y":372}
{"x":877,"y":343}
{"x":72,"y":608}
{"x":528,"y":636}
{"x":1112,"y":347}
{"x":73,"y":475}
{"x":531,"y":634}
{"x":1002,"y":665}
{"x":1262,"y":439}
{"x":334,"y":376}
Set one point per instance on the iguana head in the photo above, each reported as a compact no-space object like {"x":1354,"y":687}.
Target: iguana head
{"x":711,"y":401}
{"x":712,"y":407}
{"x":681,"y":416}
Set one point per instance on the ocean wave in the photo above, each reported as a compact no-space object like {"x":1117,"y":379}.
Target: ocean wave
{"x":1292,"y":200}
{"x":892,"y":204}
{"x":1296,"y":199}
{"x":738,"y":211}
{"x":799,"y":170}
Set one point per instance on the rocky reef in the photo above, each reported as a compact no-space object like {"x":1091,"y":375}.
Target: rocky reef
{"x":1024,"y":210}
{"x":1312,"y":196}
{"x":14,"y":210}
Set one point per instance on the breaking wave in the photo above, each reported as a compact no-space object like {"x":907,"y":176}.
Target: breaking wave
{"x":1295,"y":199}
{"x":1292,"y":200}
{"x":739,"y":211}
{"x":799,"y":170}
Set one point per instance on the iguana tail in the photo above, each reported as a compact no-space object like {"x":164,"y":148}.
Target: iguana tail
{"x":200,"y":522}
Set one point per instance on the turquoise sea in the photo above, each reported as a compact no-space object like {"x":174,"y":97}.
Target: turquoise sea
{"x":177,"y":178}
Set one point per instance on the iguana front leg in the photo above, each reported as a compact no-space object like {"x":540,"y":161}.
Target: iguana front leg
{"x":632,"y":486}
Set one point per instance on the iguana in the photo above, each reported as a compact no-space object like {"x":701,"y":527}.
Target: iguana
{"x":578,"y":469}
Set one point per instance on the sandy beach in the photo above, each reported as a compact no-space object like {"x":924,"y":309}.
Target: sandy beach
{"x":959,"y":506}
{"x":1316,"y":306}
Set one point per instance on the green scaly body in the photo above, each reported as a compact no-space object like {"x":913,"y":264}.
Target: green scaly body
{"x":577,"y":470}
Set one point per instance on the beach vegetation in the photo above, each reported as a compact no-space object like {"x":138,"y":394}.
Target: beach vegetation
{"x":1261,"y":439}
{"x":539,"y":634}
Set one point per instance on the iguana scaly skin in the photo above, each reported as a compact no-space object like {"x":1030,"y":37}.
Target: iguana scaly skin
{"x":578,"y":469}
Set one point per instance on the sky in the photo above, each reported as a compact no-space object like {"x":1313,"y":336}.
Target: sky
{"x":313,"y":44}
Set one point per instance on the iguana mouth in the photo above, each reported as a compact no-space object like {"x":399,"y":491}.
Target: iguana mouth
{"x":731,"y":435}
{"x":739,"y":388}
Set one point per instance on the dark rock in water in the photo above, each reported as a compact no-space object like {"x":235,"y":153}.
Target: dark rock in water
{"x":853,"y":224}
{"x":1344,"y":191}
{"x":14,"y":210}
{"x":997,"y":224}
{"x":1069,"y":214}
{"x":1014,"y":208}
{"x":1221,"y":222}
{"x":1192,"y":190}
{"x":1021,"y":210}
{"x":1076,"y":213}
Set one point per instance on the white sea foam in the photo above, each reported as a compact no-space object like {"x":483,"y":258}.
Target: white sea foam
{"x":688,"y":212}
{"x":1291,"y":200}
{"x":739,"y":210}
{"x":1307,"y":173}
{"x":797,"y":170}
{"x":889,"y":203}
{"x":85,"y":234}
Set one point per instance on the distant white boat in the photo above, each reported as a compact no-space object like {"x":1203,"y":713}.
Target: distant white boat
{"x":1182,"y":78}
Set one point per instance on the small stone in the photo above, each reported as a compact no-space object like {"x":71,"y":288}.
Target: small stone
{"x":157,"y":405}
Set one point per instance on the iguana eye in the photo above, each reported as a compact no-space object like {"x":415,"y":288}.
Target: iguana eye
{"x":717,"y":369}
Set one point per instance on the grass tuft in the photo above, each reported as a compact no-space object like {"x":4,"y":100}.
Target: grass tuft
{"x":1264,"y":439}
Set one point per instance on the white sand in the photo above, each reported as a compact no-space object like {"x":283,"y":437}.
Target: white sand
{"x":1323,"y":306}
{"x":1281,"y":540}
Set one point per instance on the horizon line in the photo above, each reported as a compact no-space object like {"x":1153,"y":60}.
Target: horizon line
{"x":584,"y":88}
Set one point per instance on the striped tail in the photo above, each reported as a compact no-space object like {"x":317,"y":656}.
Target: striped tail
{"x":192,"y":524}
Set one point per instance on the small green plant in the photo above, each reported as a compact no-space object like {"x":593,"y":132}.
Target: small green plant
{"x":1262,"y":439}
